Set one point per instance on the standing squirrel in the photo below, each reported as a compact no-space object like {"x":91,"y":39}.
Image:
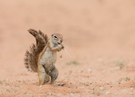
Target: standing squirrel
{"x":42,"y":57}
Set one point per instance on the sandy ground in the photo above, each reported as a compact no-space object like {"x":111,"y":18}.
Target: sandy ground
{"x":99,"y":55}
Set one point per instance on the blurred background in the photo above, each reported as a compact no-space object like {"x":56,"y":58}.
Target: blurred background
{"x":96,"y":30}
{"x":90,"y":27}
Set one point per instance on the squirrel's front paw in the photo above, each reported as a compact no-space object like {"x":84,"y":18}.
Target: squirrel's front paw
{"x":60,"y":47}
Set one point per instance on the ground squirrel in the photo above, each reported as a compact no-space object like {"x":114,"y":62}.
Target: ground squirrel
{"x":42,"y":57}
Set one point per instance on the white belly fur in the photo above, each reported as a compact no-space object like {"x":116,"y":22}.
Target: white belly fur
{"x":48,"y":58}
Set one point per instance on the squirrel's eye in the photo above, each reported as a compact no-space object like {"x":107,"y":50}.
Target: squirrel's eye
{"x":55,"y":37}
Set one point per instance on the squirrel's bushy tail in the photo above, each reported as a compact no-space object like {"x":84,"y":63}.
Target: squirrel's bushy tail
{"x":31,"y":56}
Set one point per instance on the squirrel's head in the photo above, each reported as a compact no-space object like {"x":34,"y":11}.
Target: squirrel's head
{"x":56,"y":38}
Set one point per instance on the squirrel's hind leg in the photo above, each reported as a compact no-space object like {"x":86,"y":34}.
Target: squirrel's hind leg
{"x":54,"y":75}
{"x":43,"y":76}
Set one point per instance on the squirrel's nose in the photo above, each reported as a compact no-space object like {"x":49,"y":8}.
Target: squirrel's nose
{"x":59,"y":43}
